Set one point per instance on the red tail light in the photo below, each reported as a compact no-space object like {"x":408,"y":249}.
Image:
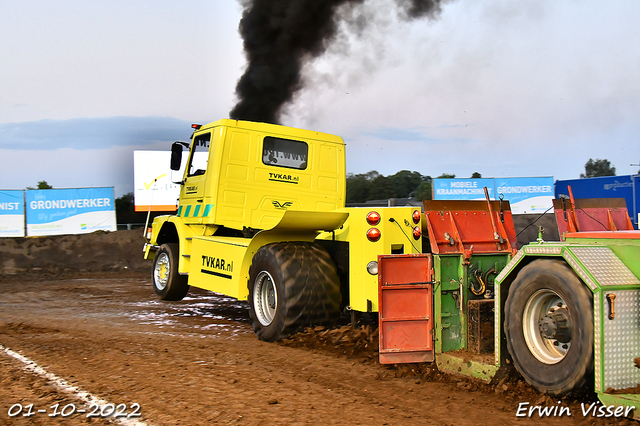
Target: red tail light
{"x":416,"y":217}
{"x":417,"y":233}
{"x":373,"y":234}
{"x":373,"y":218}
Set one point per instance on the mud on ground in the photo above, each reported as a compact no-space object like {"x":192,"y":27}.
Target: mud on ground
{"x":54,"y":255}
{"x":89,"y":315}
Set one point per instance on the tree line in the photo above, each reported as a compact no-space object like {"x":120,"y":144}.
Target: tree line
{"x":364,"y":187}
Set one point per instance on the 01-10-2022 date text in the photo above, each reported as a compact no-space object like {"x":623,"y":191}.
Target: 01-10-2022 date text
{"x":95,"y":410}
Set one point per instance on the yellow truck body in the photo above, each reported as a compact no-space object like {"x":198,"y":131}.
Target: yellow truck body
{"x":247,"y":186}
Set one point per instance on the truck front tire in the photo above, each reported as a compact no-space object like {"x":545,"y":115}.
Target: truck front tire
{"x":167,"y":282}
{"x":549,"y":327}
{"x":292,"y":285}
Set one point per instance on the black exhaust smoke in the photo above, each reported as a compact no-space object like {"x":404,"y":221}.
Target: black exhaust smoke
{"x":279,"y":36}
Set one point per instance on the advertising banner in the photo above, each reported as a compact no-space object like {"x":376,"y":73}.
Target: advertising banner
{"x":526,"y":194}
{"x":12,"y":213}
{"x":627,"y":187}
{"x":462,"y":189}
{"x":152,"y":180}
{"x":70,"y":211}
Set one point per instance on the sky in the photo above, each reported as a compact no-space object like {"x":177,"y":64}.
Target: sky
{"x":498,"y":87}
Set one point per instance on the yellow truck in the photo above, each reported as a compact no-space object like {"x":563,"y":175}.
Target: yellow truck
{"x":261,"y":217}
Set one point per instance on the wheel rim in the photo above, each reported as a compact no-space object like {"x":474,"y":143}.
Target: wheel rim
{"x":265,"y":300}
{"x":547,"y":326}
{"x":161,"y":271}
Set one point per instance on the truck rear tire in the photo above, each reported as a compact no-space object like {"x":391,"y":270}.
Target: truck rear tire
{"x":167,"y":282}
{"x":549,"y":327}
{"x":292,"y":285}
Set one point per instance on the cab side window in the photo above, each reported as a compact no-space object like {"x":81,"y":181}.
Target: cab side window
{"x":200,"y":155}
{"x":284,"y":153}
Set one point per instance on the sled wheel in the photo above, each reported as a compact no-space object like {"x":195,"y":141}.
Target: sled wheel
{"x":167,"y":282}
{"x":291,"y":286}
{"x":549,"y":327}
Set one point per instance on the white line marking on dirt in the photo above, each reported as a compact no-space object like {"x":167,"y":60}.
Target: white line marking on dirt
{"x":65,"y":386}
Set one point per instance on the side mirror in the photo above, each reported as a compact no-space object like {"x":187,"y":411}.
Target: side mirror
{"x":176,"y":155}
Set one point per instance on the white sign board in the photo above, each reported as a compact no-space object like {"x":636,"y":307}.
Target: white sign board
{"x":526,"y":194}
{"x":153,"y":179}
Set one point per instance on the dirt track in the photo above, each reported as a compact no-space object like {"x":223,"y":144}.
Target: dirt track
{"x":198,"y":362}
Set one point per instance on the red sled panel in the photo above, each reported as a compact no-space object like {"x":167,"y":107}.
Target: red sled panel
{"x":405,"y":296}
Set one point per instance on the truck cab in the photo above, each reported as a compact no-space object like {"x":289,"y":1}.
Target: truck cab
{"x":242,"y":175}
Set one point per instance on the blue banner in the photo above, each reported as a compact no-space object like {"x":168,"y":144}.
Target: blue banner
{"x":11,"y":213}
{"x":461,"y":189}
{"x":627,"y":187}
{"x":70,"y":211}
{"x":525,"y":194}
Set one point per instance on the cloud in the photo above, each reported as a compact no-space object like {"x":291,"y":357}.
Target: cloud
{"x":400,"y":134}
{"x":92,"y":133}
